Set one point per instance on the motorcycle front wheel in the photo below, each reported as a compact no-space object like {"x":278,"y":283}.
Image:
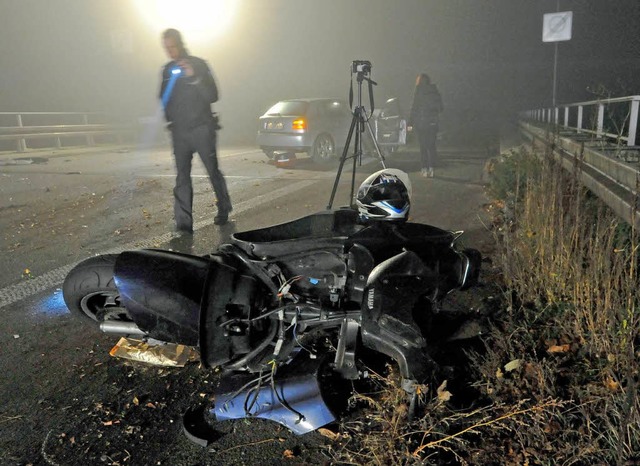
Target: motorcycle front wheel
{"x":89,"y":290}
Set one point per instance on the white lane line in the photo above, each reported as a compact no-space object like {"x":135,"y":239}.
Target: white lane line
{"x":224,"y":153}
{"x":54,"y":278}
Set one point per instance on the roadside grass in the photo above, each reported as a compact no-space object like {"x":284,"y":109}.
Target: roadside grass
{"x":571,"y":276}
{"x":555,"y":379}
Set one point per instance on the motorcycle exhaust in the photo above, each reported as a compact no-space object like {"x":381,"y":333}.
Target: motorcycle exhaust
{"x":121,"y":328}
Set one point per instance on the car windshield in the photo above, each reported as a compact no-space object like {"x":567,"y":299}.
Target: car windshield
{"x":289,"y":107}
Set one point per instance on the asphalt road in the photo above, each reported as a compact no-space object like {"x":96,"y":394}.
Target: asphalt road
{"x":60,"y":207}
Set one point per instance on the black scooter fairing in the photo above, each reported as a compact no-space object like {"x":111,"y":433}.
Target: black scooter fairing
{"x":185,"y":299}
{"x":162,"y":291}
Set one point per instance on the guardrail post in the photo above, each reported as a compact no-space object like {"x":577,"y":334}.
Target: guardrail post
{"x":90,"y":141}
{"x":555,"y":115}
{"x":579,"y":124}
{"x":22,"y":143}
{"x":600,"y":128}
{"x":566,"y":117}
{"x":633,"y":123}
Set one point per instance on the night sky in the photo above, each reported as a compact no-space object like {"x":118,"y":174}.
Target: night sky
{"x":486,"y":56}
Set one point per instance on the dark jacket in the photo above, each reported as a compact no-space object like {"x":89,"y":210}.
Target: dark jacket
{"x":426,"y":106}
{"x":189,"y":103}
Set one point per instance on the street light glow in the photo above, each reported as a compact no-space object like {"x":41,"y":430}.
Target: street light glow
{"x":198,"y":20}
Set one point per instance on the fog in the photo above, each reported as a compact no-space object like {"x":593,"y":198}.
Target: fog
{"x":486,"y":57}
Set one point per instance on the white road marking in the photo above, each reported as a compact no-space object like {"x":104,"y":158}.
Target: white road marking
{"x":54,"y":278}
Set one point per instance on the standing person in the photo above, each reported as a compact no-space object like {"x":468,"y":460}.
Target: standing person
{"x":425,"y":110}
{"x":187,"y":92}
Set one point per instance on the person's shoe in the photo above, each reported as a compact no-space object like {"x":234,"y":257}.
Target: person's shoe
{"x":221,"y":219}
{"x":430,"y":172}
{"x":424,"y":172}
{"x":182,"y":230}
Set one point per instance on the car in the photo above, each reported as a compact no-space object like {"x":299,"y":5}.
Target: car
{"x":316,"y":126}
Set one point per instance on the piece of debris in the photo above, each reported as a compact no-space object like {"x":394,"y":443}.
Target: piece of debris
{"x":164,"y":354}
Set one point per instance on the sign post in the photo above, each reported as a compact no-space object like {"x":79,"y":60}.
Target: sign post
{"x":556,"y":27}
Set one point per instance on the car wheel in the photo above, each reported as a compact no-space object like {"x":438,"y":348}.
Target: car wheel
{"x":269,"y":153}
{"x":324,"y":149}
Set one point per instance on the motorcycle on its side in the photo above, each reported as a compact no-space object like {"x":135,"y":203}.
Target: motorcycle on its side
{"x":286,"y":311}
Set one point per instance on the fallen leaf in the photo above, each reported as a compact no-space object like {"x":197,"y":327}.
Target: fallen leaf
{"x":513,"y":365}
{"x":150,"y":405}
{"x":136,"y":401}
{"x":331,"y":435}
{"x":530,"y":371}
{"x":443,"y":394}
{"x":611,"y":384}
{"x":553,"y":427}
{"x":558,"y":348}
{"x":288,"y":454}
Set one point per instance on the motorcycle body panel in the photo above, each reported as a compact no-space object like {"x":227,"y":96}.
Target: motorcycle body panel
{"x":162,"y":291}
{"x":388,"y":323}
{"x":186,"y":299}
{"x":230,"y":298}
{"x":295,"y":399}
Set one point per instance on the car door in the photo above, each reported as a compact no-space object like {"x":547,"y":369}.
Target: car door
{"x":338,"y":117}
{"x":391,"y":127}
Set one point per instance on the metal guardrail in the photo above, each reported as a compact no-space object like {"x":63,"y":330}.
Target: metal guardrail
{"x":615,"y":181}
{"x":71,"y":124}
{"x":614,"y":119}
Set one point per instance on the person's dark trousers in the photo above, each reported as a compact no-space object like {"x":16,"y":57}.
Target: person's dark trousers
{"x":427,"y":139}
{"x":202,"y":140}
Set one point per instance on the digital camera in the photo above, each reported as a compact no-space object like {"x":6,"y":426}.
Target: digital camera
{"x":361,"y":66}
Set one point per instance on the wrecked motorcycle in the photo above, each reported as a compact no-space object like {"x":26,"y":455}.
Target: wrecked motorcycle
{"x":286,"y":309}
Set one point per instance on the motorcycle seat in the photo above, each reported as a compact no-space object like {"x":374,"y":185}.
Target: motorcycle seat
{"x":326,"y":230}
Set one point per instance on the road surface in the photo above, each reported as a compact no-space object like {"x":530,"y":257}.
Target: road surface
{"x":63,"y":400}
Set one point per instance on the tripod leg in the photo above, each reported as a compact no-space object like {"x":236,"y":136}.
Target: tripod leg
{"x":375,"y":143}
{"x":343,"y":158}
{"x":357,"y":157}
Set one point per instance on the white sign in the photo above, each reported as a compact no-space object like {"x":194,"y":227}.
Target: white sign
{"x":557,"y":26}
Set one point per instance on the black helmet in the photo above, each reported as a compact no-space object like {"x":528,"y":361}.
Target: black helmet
{"x":385,"y":195}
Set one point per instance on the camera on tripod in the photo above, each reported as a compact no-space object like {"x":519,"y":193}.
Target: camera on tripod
{"x":360,"y":71}
{"x":361,"y":66}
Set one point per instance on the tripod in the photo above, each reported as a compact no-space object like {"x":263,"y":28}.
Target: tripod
{"x":358,"y":123}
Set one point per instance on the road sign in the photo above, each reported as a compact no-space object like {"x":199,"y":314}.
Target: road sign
{"x":557,"y":26}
